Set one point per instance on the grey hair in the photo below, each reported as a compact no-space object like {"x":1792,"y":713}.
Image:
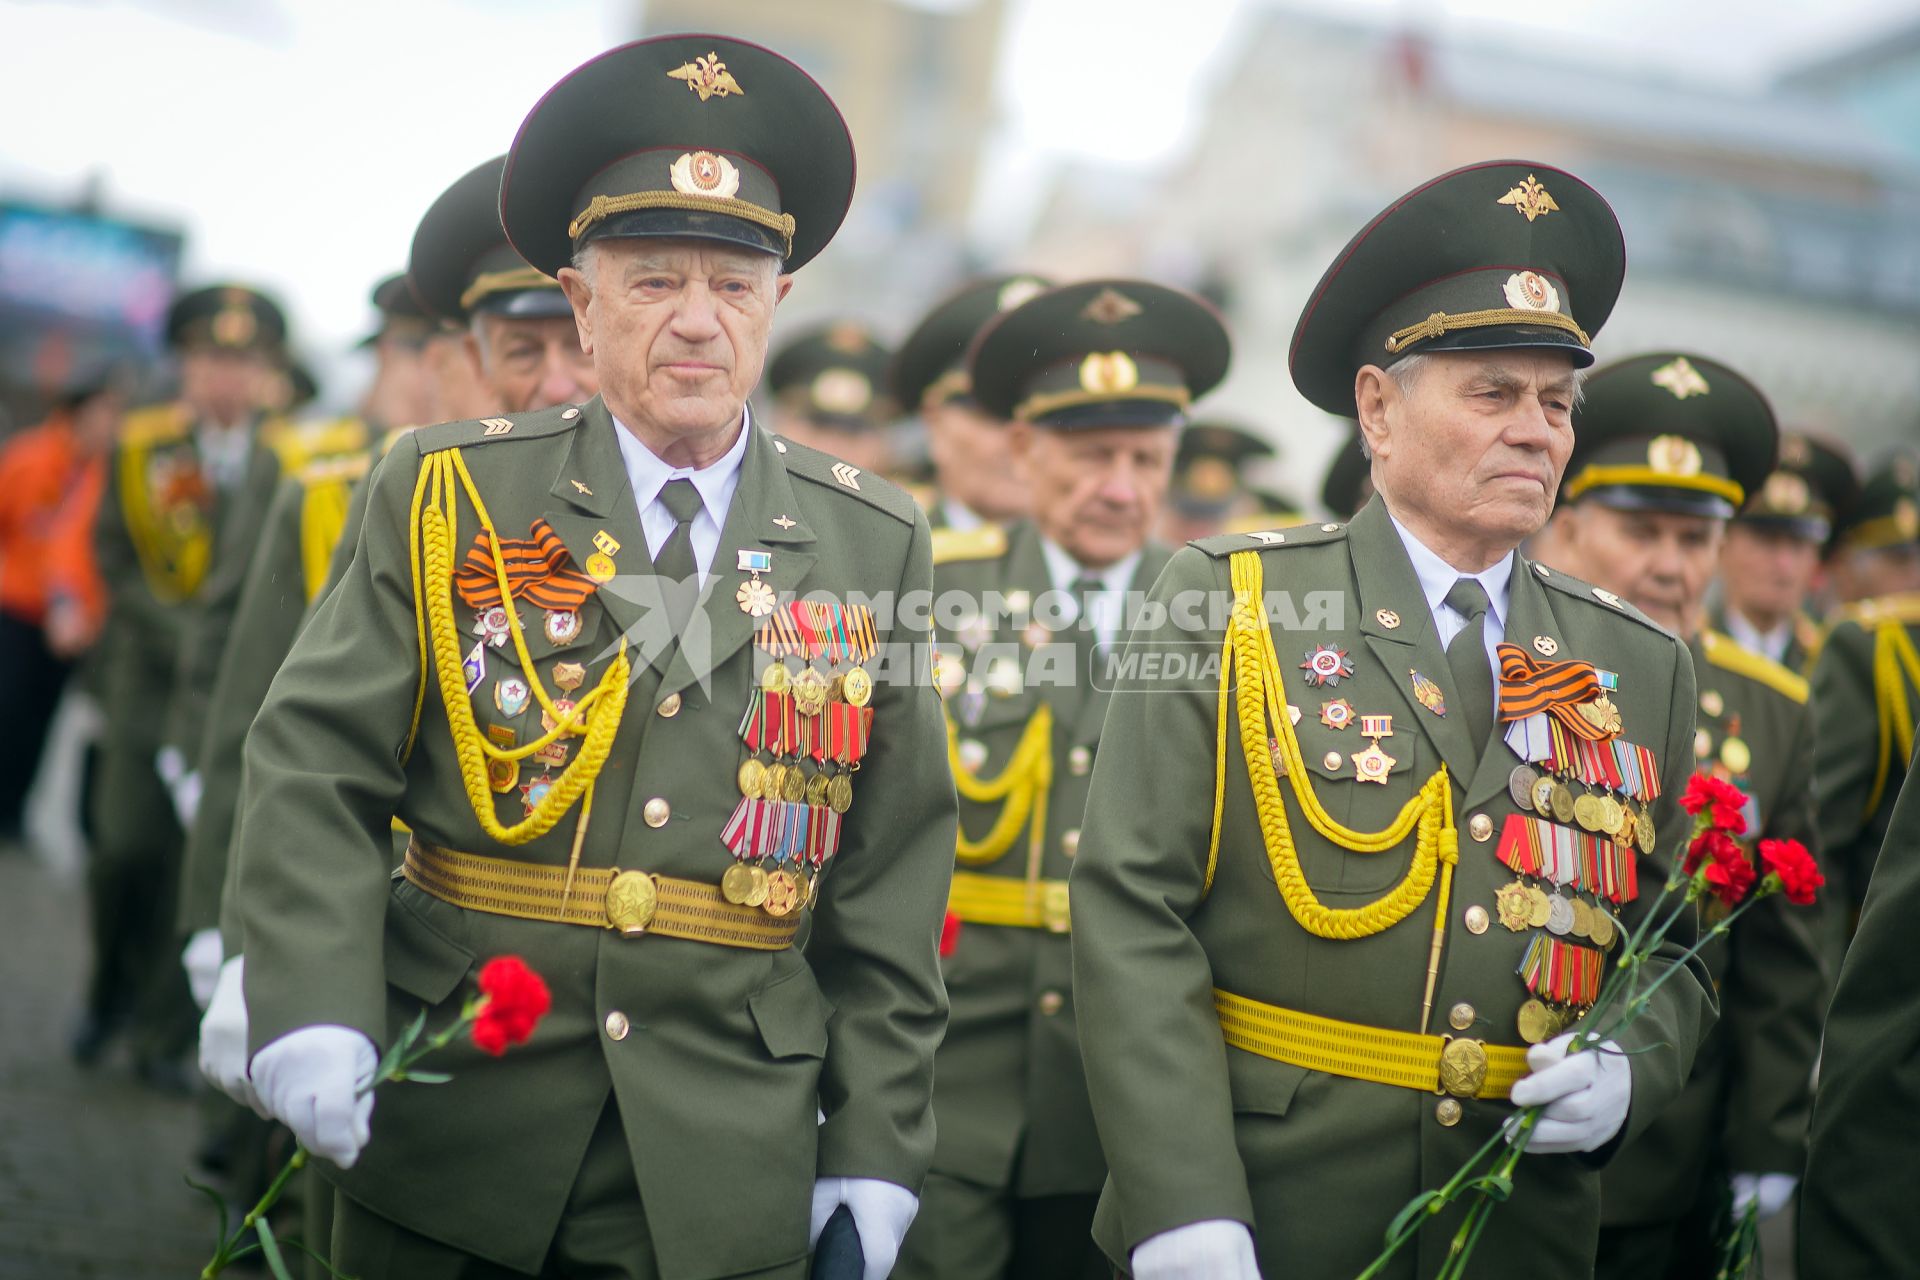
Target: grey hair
{"x":1406,"y":371}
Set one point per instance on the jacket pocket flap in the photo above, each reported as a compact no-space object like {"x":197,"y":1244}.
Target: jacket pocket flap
{"x":792,"y":1016}
{"x":420,"y":960}
{"x":1260,"y":1084}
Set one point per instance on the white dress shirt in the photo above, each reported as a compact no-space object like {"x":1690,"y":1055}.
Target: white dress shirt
{"x":1771,"y":643}
{"x":1109,"y":602}
{"x":1437,"y":578}
{"x":649,"y":475}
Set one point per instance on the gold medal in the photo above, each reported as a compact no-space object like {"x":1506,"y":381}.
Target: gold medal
{"x":783,"y":894}
{"x":1562,"y":803}
{"x":737,"y":883}
{"x":840,"y":793}
{"x":600,"y":567}
{"x":1372,"y":765}
{"x":1643,"y":831}
{"x":1535,"y":1022}
{"x":1582,"y":919}
{"x":1543,"y":797}
{"x":751,"y":777}
{"x":1539,"y":906}
{"x":569,"y":675}
{"x":810,"y":692}
{"x":1736,"y":755}
{"x":1601,"y":928}
{"x":793,"y":787}
{"x":757,"y":890}
{"x":1586,"y":812}
{"x":503,"y":775}
{"x":1520,"y":784}
{"x":817,"y":789}
{"x":858,"y":687}
{"x":773,"y":782}
{"x":1512,"y":903}
{"x":1611,"y":815}
{"x":775,"y":678}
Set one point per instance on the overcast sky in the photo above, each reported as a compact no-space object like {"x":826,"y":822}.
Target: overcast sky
{"x":297,"y":141}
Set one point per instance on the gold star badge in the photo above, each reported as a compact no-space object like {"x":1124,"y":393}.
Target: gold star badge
{"x":1530,"y":199}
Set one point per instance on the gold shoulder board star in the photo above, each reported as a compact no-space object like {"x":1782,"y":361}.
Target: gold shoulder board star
{"x":582,"y":488}
{"x":1530,"y":199}
{"x":783,"y":522}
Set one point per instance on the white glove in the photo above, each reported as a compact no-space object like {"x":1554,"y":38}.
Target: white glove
{"x":223,"y":1037}
{"x":1585,"y":1095}
{"x":202,"y":960}
{"x":1216,"y":1249}
{"x":1771,"y":1190}
{"x":882,"y":1211}
{"x":310,"y":1081}
{"x":186,"y":797}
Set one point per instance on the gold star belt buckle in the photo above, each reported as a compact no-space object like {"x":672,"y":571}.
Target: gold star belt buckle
{"x":632,"y":898}
{"x":1463,"y":1067}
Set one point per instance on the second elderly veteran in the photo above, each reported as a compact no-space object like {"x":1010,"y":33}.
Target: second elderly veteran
{"x":1668,"y":446}
{"x":1095,"y":378}
{"x":827,"y":389}
{"x":702,"y":1090}
{"x":1297,"y":1012}
{"x":525,"y":351}
{"x":974,"y":477}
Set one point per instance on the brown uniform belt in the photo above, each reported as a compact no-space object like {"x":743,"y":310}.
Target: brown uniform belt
{"x":1003,"y":900}
{"x":1408,"y":1059}
{"x":633,"y":902}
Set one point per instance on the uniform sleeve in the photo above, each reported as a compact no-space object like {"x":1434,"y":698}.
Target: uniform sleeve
{"x":1143,"y":989}
{"x":324,"y":775}
{"x":1847,"y":746}
{"x":1661,"y":1042}
{"x":875,"y":938}
{"x":1772,"y":999}
{"x":264,"y":624}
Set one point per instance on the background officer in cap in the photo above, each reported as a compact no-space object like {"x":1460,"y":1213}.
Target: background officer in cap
{"x":1211,"y":488}
{"x":174,"y":520}
{"x":703,"y":1092}
{"x":1095,"y":379}
{"x":974,"y":478}
{"x":828,"y":390}
{"x":400,"y":394}
{"x":1669,"y":445}
{"x":1856,"y":1209}
{"x":516,"y":331}
{"x":1773,"y":548}
{"x":1866,"y":679}
{"x":1295,"y":1012}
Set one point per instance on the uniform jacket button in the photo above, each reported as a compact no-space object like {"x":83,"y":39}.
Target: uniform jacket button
{"x":617,"y":1025}
{"x":657,"y":812}
{"x":1051,"y":1002}
{"x":670,"y":706}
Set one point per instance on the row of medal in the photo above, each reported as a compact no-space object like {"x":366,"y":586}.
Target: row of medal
{"x":806,"y":733}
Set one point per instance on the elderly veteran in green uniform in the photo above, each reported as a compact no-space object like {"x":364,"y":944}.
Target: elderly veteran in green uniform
{"x":1210,"y":492}
{"x":1771,"y":559}
{"x":1866,"y":680}
{"x":1095,"y":379}
{"x":170,"y":524}
{"x":703,"y":1091}
{"x":524,"y":347}
{"x":975,"y":482}
{"x":1669,"y":446}
{"x":1319,"y":942}
{"x":401,"y":391}
{"x":1856,"y":1208}
{"x":828,"y":391}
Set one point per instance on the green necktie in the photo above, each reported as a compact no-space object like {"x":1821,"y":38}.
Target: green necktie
{"x":1467,"y":656}
{"x":675,"y":562}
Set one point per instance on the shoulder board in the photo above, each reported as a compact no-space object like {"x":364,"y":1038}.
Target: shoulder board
{"x":344,"y":466}
{"x":988,"y":542}
{"x":1598,"y":597}
{"x":302,"y":444}
{"x":516,"y":426}
{"x":1723,"y":652}
{"x":153,"y":424}
{"x":829,"y":472}
{"x":394,"y":436}
{"x":1222,"y":545}
{"x":1901,"y":608}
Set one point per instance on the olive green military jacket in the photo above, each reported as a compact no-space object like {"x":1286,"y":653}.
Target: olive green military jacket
{"x":1866,"y":695}
{"x":288,"y":564}
{"x":1747,"y":1101}
{"x":1856,"y":1204}
{"x":1319,"y":1164}
{"x":719,"y":1055}
{"x":1009,"y":1092}
{"x":1802,"y":644}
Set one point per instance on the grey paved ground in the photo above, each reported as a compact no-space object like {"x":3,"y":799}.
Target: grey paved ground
{"x":90,"y":1162}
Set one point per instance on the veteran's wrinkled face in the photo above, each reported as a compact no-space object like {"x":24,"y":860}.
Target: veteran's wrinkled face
{"x":532,"y":362}
{"x":971,"y":461}
{"x":1468,"y":446}
{"x":1660,"y":561}
{"x":225,"y":386}
{"x":1767,"y":571}
{"x":677,"y":330}
{"x":1097,"y":492}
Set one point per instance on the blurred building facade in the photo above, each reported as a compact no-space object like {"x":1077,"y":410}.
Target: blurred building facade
{"x":1774,"y":231}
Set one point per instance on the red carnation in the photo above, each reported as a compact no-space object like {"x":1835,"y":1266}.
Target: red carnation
{"x":1704,"y":792}
{"x":1799,"y":874}
{"x":1711,"y":844}
{"x":515,"y":1001}
{"x":949,"y":934}
{"x":1729,"y":879}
